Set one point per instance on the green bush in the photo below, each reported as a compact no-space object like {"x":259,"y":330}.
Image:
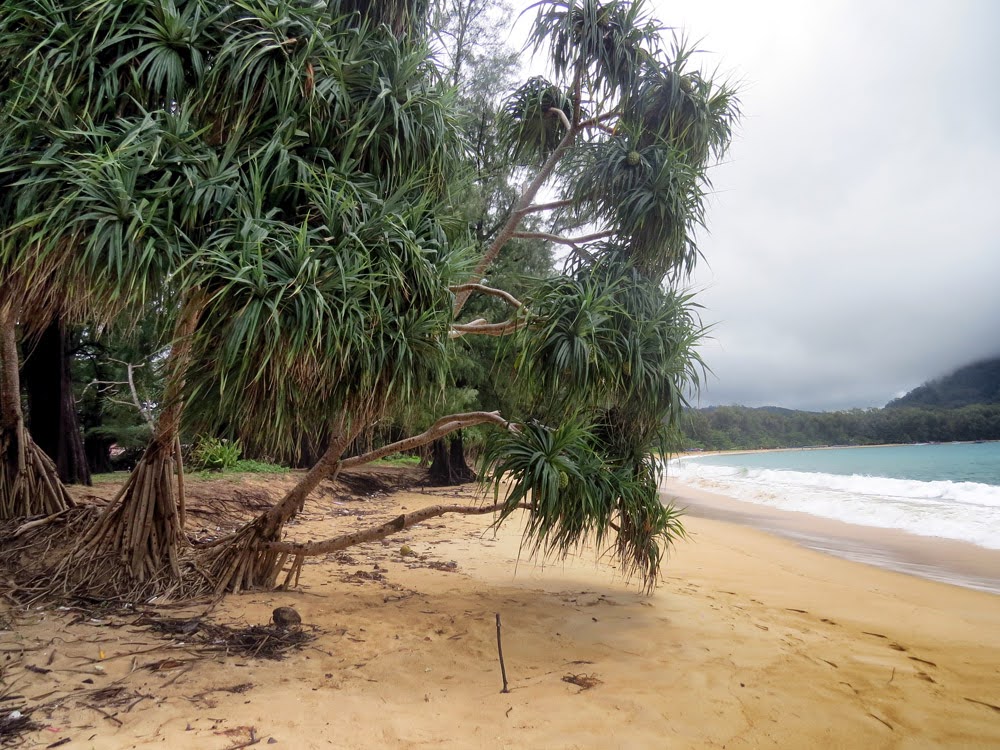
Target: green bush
{"x":398,"y":459}
{"x":215,"y":454}
{"x":250,"y":466}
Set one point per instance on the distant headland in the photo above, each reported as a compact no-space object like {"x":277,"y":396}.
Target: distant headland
{"x":961,"y":406}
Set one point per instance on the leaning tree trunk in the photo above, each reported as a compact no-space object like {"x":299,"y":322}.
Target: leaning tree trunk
{"x":243,"y":561}
{"x":143,"y":524}
{"x":29,"y":483}
{"x":254,"y":556}
{"x":52,"y":407}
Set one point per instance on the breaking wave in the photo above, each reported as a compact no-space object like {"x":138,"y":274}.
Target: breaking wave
{"x":966,"y":511}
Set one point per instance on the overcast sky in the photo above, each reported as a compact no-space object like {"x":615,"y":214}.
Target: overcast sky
{"x":855,"y":228}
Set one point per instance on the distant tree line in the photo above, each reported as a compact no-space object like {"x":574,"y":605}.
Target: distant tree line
{"x":739,"y":427}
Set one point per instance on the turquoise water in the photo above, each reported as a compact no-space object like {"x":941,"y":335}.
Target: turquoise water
{"x":948,"y":490}
{"x":954,"y":462}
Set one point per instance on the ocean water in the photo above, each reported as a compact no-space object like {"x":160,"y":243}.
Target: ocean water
{"x":944,"y":490}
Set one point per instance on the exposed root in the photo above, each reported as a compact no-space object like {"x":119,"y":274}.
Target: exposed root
{"x":42,"y":563}
{"x":132,"y":550}
{"x":141,"y":526}
{"x":117,"y":553}
{"x":31,"y":555}
{"x":29,"y":481}
{"x":243,"y":561}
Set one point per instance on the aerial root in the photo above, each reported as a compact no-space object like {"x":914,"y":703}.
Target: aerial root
{"x":141,"y":524}
{"x":29,"y":481}
{"x":243,"y":562}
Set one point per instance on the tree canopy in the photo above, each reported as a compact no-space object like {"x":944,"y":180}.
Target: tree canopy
{"x":287,"y":185}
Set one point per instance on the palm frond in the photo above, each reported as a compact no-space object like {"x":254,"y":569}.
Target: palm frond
{"x":530,"y":131}
{"x":606,"y":45}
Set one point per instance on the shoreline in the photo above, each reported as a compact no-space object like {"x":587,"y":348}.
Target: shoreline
{"x":740,"y":451}
{"x":931,"y":558}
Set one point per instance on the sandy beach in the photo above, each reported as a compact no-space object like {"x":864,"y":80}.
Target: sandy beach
{"x":936,"y":558}
{"x":751,"y":641}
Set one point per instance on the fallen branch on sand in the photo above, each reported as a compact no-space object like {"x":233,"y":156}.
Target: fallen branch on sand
{"x":300,"y":550}
{"x":374,"y":533}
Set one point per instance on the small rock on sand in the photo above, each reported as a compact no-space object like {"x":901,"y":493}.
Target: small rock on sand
{"x":286,"y":617}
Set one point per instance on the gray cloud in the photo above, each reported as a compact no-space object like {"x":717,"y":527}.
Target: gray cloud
{"x":855,"y":238}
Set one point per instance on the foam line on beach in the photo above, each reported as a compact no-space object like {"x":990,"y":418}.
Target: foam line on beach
{"x":945,"y":560}
{"x":964,"y":511}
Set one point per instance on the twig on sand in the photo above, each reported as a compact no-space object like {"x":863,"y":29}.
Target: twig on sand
{"x":254,"y":739}
{"x":102,"y":712}
{"x":503,"y":669}
{"x":984,"y":703}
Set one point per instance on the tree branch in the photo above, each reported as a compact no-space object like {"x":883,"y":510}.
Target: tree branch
{"x":374,"y":533}
{"x":546,"y":206}
{"x":572,"y":241}
{"x":523,"y":202}
{"x":144,"y":411}
{"x":135,"y":397}
{"x":562,"y":116}
{"x":597,"y":120}
{"x":506,"y":296}
{"x":99,"y":383}
{"x":483,"y":328}
{"x":439,"y":429}
{"x":327,"y":466}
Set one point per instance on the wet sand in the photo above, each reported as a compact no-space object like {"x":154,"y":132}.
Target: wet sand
{"x":935,"y":558}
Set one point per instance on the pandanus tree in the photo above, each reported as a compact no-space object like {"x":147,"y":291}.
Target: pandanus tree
{"x":86,"y":230}
{"x":605,"y":353}
{"x":280,"y":180}
{"x":622,"y":137}
{"x":273,"y":177}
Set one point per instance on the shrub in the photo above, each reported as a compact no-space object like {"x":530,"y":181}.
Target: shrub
{"x":250,"y":466}
{"x":215,"y":454}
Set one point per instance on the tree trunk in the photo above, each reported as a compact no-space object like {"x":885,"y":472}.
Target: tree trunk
{"x":243,"y":561}
{"x":374,"y":533}
{"x":98,"y":452}
{"x":521,"y":208}
{"x":52,"y":406}
{"x":143,"y":522}
{"x":448,"y":466}
{"x":249,"y":558}
{"x":254,"y":556}
{"x":29,"y":483}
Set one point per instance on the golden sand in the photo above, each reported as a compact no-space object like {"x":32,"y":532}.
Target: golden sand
{"x":751,"y":641}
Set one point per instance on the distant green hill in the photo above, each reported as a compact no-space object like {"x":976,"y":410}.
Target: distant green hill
{"x":978,"y":383}
{"x":962,"y":406}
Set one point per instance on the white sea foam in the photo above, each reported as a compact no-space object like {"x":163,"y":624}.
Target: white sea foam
{"x":967,"y":511}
